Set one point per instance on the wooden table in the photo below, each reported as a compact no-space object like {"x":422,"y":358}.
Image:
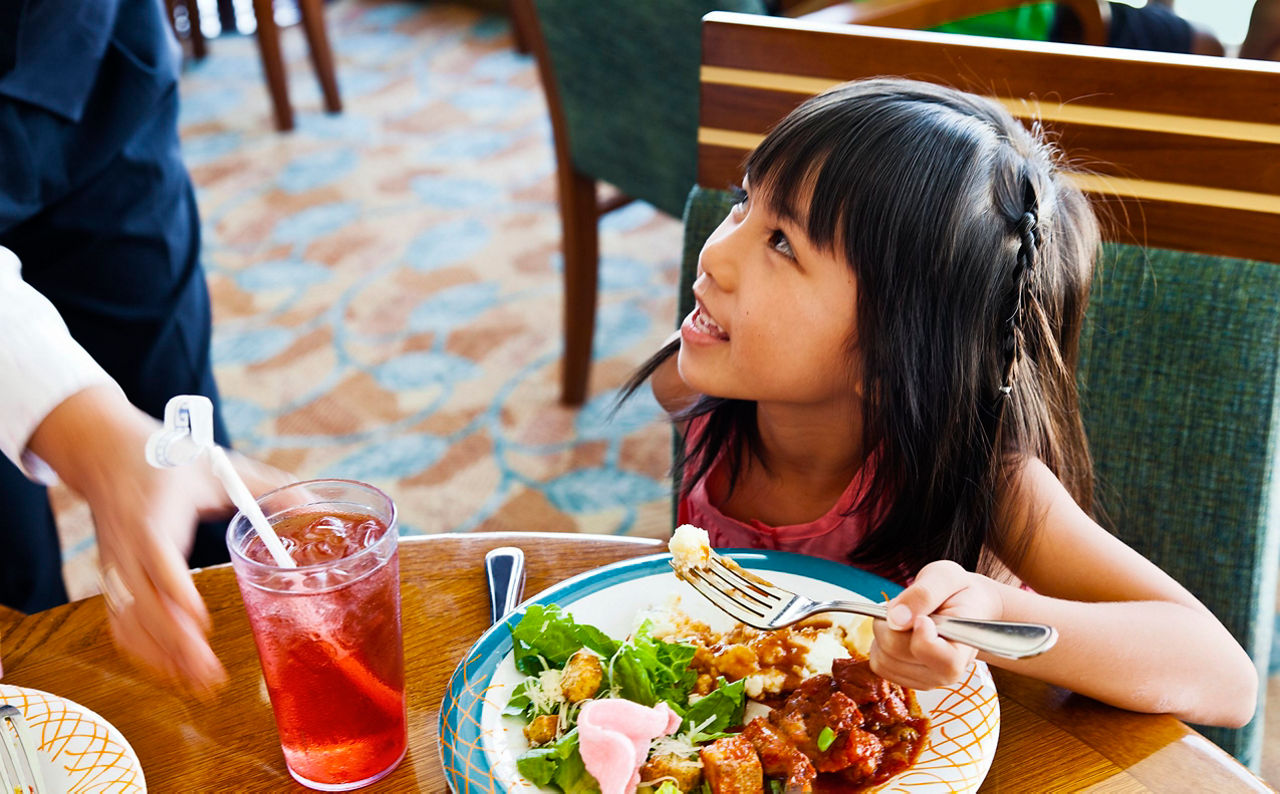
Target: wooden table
{"x":1049,"y":739}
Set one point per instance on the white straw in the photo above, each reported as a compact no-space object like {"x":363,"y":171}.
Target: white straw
{"x":244,"y":500}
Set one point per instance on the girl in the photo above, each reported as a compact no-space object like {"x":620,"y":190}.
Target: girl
{"x":880,"y":369}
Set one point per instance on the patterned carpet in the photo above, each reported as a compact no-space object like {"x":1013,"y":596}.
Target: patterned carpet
{"x":386,"y":284}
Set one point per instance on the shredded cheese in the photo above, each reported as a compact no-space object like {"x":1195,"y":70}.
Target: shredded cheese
{"x":545,"y":695}
{"x":680,"y":744}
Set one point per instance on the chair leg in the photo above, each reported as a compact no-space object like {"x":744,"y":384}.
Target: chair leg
{"x":519,"y":36}
{"x":578,"y":219}
{"x":198,"y":49}
{"x":273,"y":63}
{"x":321,"y":55}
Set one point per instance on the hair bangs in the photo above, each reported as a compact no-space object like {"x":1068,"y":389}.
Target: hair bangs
{"x":792,"y":171}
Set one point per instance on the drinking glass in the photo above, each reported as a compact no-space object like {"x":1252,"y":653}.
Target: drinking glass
{"x":328,"y":632}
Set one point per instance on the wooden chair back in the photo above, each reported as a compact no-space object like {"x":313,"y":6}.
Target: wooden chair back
{"x":1183,"y":151}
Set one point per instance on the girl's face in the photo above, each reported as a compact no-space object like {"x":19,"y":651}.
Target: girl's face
{"x":774,"y":315}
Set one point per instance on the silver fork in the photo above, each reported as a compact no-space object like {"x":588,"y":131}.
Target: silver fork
{"x":19,"y":768}
{"x":763,"y":605}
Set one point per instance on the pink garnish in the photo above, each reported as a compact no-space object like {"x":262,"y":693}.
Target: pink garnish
{"x":614,"y":737}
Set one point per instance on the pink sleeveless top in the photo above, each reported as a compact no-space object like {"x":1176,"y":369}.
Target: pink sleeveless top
{"x":831,"y":536}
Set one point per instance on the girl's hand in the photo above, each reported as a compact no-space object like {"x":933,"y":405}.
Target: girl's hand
{"x":907,"y":649}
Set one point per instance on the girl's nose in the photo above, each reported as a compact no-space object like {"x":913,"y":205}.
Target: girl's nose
{"x":718,"y":260}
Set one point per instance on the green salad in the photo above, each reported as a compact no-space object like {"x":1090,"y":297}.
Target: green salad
{"x":568,"y":663}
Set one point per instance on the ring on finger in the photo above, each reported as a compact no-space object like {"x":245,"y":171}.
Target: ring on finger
{"x":114,"y":591}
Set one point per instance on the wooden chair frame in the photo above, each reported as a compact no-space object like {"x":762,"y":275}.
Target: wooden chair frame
{"x":268,"y":36}
{"x":1188,"y":163}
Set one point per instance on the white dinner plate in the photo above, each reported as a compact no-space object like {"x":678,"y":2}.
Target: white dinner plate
{"x":479,"y":746}
{"x":79,"y":751}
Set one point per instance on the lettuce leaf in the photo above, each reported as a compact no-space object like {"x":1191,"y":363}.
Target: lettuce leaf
{"x":722,"y":708}
{"x":559,"y":764}
{"x":547,"y":633}
{"x":647,"y":670}
{"x":521,"y":705}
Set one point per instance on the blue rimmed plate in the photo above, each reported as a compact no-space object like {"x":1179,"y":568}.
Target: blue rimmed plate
{"x":478,"y":746}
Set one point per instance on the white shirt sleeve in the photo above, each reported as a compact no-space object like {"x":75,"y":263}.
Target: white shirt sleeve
{"x":40,"y":366}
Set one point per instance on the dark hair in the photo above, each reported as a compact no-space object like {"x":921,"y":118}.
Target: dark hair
{"x":974,"y":258}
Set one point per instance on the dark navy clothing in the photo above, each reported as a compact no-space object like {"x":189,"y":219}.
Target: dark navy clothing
{"x":1151,"y":27}
{"x":96,"y":202}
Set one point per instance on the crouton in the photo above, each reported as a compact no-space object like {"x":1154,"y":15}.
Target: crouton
{"x":542,"y":730}
{"x":686,"y":773}
{"x":582,"y":676}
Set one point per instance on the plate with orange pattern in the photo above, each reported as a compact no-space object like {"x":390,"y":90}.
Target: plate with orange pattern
{"x":78,"y":750}
{"x":478,"y":746}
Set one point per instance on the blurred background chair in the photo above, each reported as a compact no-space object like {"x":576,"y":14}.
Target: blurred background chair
{"x":622,"y":91}
{"x":1180,"y":358}
{"x":185,"y":17}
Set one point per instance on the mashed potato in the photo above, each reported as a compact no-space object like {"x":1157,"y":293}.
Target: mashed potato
{"x":690,"y":548}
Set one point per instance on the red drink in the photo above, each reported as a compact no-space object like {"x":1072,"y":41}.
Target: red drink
{"x":328,"y":632}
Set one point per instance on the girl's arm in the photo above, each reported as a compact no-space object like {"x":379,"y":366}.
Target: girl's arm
{"x":669,"y":389}
{"x":1129,"y":634}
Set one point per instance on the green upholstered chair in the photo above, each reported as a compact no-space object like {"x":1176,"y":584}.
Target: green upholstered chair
{"x":1180,"y":359}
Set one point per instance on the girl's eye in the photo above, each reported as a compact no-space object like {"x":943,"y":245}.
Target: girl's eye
{"x":739,"y":196}
{"x":779,"y":242}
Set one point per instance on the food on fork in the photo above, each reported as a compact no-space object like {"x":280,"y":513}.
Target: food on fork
{"x":691,"y":552}
{"x":690,"y":548}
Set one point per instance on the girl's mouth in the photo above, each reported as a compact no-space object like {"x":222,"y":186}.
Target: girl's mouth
{"x":703,"y":323}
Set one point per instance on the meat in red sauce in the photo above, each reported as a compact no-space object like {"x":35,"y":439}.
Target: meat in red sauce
{"x":875,"y":732}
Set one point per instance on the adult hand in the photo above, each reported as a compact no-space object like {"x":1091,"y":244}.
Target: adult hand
{"x":907,"y":648}
{"x":145,"y":520}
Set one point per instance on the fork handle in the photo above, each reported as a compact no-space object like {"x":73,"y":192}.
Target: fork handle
{"x":1003,"y":638}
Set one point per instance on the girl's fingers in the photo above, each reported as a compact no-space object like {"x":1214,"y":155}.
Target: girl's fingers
{"x":936,"y":582}
{"x":918,"y":657}
{"x":949,"y":660}
{"x":904,"y":673}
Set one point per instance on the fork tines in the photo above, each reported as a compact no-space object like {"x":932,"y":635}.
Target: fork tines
{"x":19,"y":769}
{"x":742,"y":579}
{"x":740,"y":594}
